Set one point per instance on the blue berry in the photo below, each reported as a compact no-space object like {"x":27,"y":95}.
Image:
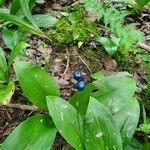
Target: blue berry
{"x":78,"y":75}
{"x":80,"y":85}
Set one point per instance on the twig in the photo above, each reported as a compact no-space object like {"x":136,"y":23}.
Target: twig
{"x":68,"y":62}
{"x":85,"y":64}
{"x":144,"y":46}
{"x":20,"y":106}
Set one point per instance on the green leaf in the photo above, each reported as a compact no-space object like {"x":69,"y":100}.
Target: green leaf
{"x":36,"y":83}
{"x":108,"y":44}
{"x":15,"y":52}
{"x":15,"y":6}
{"x":2,"y":2}
{"x":127,"y":120}
{"x":3,"y":63}
{"x":100,"y":130}
{"x":44,"y":21}
{"x":27,"y":12}
{"x":67,"y":121}
{"x":12,"y":37}
{"x":21,"y":23}
{"x":146,"y":146}
{"x":134,"y":145}
{"x":114,"y":92}
{"x":98,"y":75}
{"x":142,"y":3}
{"x":36,"y":133}
{"x":80,"y":99}
{"x":8,"y":37}
{"x":6,"y":92}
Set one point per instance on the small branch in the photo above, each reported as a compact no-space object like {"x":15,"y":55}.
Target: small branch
{"x":20,"y":106}
{"x":68,"y":62}
{"x":144,"y":46}
{"x":85,"y":64}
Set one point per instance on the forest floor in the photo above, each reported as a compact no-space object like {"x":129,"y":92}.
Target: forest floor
{"x":62,"y":64}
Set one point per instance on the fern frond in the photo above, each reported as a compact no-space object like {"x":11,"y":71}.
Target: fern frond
{"x":114,"y":21}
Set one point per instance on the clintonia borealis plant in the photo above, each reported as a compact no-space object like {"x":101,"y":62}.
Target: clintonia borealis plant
{"x":103,"y":116}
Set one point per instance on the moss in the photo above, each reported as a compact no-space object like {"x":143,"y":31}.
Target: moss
{"x":94,"y":56}
{"x":124,"y":62}
{"x":73,"y":28}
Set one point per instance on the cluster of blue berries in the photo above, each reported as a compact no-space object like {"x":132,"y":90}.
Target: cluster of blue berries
{"x":80,"y":85}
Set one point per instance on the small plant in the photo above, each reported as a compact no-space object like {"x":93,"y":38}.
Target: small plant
{"x":73,"y":28}
{"x":15,"y":42}
{"x":20,"y":11}
{"x":122,"y":37}
{"x":81,"y":121}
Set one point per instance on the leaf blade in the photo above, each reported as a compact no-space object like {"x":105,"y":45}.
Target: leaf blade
{"x":36,"y":133}
{"x":100,"y":130}
{"x":66,"y":120}
{"x":35,"y":83}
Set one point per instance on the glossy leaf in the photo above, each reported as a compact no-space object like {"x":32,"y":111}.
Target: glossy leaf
{"x":12,"y":37}
{"x":15,"y":6}
{"x":6,"y":92}
{"x":100,"y":130}
{"x":134,"y":145}
{"x":36,"y":133}
{"x":98,"y":75}
{"x":67,"y":121}
{"x":114,"y":92}
{"x":36,"y":83}
{"x":142,"y":3}
{"x":80,"y":99}
{"x":15,"y":52}
{"x":27,"y":12}
{"x":3,"y":63}
{"x":21,"y":23}
{"x":146,"y":146}
{"x":8,"y":37}
{"x":44,"y":21}
{"x":110,"y":46}
{"x":127,"y":120}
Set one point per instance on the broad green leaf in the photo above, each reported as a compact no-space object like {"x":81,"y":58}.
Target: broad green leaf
{"x":44,"y":21}
{"x":21,"y":23}
{"x":146,"y":146}
{"x":114,"y":92}
{"x":3,"y":63}
{"x":127,"y":120}
{"x":15,"y":52}
{"x":67,"y":121}
{"x":36,"y":133}
{"x":15,"y":6}
{"x":12,"y":37}
{"x":142,"y":3}
{"x":8,"y":37}
{"x":100,"y":130}
{"x":27,"y":12}
{"x":109,"y":45}
{"x":2,"y":2}
{"x":6,"y":92}
{"x":80,"y":99}
{"x":98,"y":75}
{"x":36,"y":83}
{"x":134,"y":145}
